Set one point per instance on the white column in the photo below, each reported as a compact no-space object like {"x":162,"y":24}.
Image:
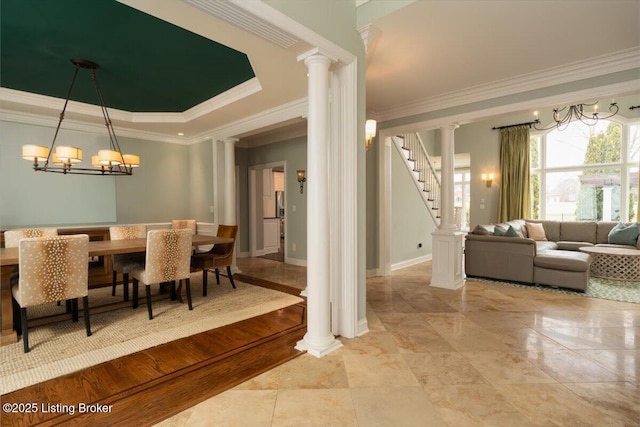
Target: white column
{"x":229,"y":216}
{"x":318,"y":340}
{"x":447,"y":271}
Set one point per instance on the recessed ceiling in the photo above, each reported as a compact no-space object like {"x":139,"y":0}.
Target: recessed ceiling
{"x":146,"y":64}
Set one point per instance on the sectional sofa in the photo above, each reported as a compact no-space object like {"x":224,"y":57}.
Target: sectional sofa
{"x":554,"y":261}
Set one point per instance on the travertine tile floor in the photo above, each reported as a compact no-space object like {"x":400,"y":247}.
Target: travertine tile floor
{"x":485,"y":355}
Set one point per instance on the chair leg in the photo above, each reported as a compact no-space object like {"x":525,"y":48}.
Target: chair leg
{"x":134,"y":303}
{"x":149,"y":301}
{"x":230,"y":276}
{"x":189,"y":293}
{"x":25,"y":331}
{"x":74,"y":310}
{"x":125,"y":285}
{"x":69,"y":308}
{"x":85,"y":309}
{"x":17,"y":324}
{"x":204,"y":282}
{"x":114,"y":280}
{"x":173,"y":294}
{"x":217,"y":276}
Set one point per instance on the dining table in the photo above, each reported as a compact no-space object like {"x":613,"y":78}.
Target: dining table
{"x":9,"y":257}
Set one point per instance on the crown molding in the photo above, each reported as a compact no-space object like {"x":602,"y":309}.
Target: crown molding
{"x":48,"y":121}
{"x":234,"y":94}
{"x":606,"y":64}
{"x":284,"y":112}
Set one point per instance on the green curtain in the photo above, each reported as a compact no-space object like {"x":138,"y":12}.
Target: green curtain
{"x":514,"y":174}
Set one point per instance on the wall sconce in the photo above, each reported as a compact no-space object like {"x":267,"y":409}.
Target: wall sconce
{"x":369,"y":132}
{"x":301,"y":179}
{"x":487,"y":179}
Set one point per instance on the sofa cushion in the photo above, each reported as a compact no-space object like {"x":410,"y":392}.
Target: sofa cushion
{"x":578,"y":231}
{"x":572,"y":246}
{"x":562,"y":260}
{"x":500,"y":230}
{"x":612,"y":245}
{"x":624,"y":234}
{"x":519,"y":227}
{"x":545,"y":245}
{"x":602,"y":231}
{"x":535,"y":231}
{"x":483,"y":230}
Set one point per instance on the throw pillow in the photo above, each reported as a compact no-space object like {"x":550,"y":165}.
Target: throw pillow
{"x":536,"y":231}
{"x":483,"y":230}
{"x":623,"y":234}
{"x":509,"y":232}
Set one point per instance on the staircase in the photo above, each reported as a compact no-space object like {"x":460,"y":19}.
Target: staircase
{"x":418,"y":162}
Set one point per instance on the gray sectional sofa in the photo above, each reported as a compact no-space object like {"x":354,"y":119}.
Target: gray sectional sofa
{"x":555,"y":261}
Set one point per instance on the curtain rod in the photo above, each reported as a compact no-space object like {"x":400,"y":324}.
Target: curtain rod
{"x":516,"y":125}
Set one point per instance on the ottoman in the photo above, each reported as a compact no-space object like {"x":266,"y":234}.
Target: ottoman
{"x":564,"y":269}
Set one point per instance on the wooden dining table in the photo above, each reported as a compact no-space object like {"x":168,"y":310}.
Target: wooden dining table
{"x":9,"y":257}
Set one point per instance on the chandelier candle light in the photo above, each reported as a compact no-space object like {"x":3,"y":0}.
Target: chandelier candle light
{"x":561,"y":119}
{"x":63,"y":159}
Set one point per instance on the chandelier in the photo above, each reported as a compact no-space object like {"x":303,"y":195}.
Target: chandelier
{"x":64,"y":159}
{"x":563,"y":116}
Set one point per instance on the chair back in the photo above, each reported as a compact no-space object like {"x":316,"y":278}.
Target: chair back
{"x":53,"y":269}
{"x":181,"y":224}
{"x":224,"y":251}
{"x":168,"y":255}
{"x":127,"y":232}
{"x":12,"y":237}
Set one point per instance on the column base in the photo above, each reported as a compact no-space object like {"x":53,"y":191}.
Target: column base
{"x":447,"y":268}
{"x":319,"y":350}
{"x":303,"y":293}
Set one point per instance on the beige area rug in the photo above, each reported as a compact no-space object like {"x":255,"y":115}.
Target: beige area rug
{"x":63,"y":347}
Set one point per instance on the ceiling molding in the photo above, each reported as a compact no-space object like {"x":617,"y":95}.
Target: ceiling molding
{"x":288,"y":111}
{"x":48,"y":121}
{"x":593,"y":67}
{"x":632,"y":86}
{"x":234,"y":94}
{"x":237,"y":16}
{"x":277,"y":19}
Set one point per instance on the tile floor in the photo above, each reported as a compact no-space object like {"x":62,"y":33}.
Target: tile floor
{"x":485,"y":355}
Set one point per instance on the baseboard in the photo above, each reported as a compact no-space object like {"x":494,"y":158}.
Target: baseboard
{"x":243,"y":255}
{"x":362,"y":327}
{"x":410,"y":262}
{"x":296,"y":261}
{"x":374,"y":272}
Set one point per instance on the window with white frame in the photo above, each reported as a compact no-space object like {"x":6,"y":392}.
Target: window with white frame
{"x":586,"y":172}
{"x":462,"y":197}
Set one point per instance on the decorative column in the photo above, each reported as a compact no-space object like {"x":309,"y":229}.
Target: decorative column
{"x":318,"y":340}
{"x":229,"y":216}
{"x":447,"y":271}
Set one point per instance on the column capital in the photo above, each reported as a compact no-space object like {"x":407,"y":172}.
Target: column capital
{"x":450,"y":126}
{"x":316,"y":54}
{"x":230,"y":140}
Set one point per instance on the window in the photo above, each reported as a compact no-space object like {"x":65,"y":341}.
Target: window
{"x":586,"y":172}
{"x":462,"y":197}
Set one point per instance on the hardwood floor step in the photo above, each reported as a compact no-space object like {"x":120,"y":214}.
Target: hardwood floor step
{"x":151,"y":385}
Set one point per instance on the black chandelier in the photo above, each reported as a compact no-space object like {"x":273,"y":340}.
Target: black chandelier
{"x":64,"y":159}
{"x":563,"y":116}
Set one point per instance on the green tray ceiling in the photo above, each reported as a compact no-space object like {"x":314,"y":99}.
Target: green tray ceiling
{"x":146,"y":64}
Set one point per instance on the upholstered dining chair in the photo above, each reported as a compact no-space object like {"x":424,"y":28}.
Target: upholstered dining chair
{"x":52,"y":269}
{"x":167,"y":260}
{"x":124,"y":263}
{"x":12,"y":238}
{"x":220,"y":255}
{"x":181,"y":224}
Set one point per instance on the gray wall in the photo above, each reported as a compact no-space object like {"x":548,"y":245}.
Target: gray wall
{"x":294,"y":153}
{"x":201,"y":181}
{"x":158,"y":190}
{"x":411,"y":222}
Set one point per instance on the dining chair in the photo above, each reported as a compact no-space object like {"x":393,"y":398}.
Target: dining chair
{"x":220,"y":255}
{"x":181,"y":224}
{"x":54,"y":268}
{"x":12,"y":238}
{"x":124,"y":263}
{"x":167,"y":260}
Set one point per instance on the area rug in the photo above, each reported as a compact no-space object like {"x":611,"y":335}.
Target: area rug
{"x":610,"y":289}
{"x":63,"y":347}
